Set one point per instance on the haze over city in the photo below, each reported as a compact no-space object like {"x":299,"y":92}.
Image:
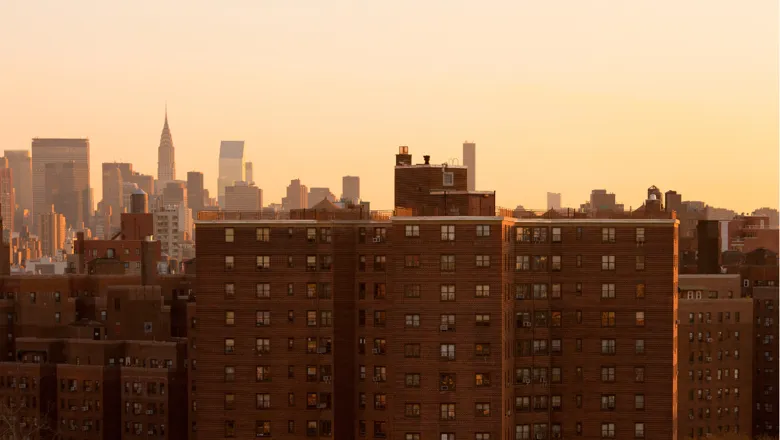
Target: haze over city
{"x":559,"y":96}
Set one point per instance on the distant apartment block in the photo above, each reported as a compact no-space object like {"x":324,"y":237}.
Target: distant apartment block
{"x":172,"y":227}
{"x":243,"y":197}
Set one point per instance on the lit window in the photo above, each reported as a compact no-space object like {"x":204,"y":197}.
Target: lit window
{"x":483,"y":230}
{"x":483,"y":260}
{"x":230,"y":317}
{"x":607,"y":262}
{"x":263,"y":234}
{"x":412,"y":230}
{"x":607,"y":235}
{"x":448,"y":232}
{"x":229,"y":235}
{"x":263,"y":262}
{"x":640,"y":319}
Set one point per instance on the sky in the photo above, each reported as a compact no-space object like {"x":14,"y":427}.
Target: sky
{"x":560,"y":95}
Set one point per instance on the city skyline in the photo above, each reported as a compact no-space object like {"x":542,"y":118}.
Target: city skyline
{"x":571,"y":99}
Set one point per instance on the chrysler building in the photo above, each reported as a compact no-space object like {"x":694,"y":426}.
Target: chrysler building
{"x":166,"y":163}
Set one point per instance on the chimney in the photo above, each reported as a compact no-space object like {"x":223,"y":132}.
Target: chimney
{"x":427,"y":160}
{"x":403,"y":158}
{"x":148,"y":262}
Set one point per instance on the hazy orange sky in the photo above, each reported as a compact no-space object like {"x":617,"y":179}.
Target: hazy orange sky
{"x":562,"y":96}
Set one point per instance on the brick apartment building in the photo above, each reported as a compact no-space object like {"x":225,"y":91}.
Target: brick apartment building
{"x":444,"y":320}
{"x":766,"y":362}
{"x":97,"y":356}
{"x":714,"y":357}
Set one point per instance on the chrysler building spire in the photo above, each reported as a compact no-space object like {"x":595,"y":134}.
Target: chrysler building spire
{"x":166,"y":163}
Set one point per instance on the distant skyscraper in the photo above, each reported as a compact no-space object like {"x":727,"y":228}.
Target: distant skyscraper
{"x":166,"y":156}
{"x":316,"y":195}
{"x":60,"y":151}
{"x":249,"y":173}
{"x":470,"y":161}
{"x":7,"y":197}
{"x":231,"y":167}
{"x":113,"y":190}
{"x":195,"y":196}
{"x":350,"y":187}
{"x":243,"y":197}
{"x":297,"y":196}
{"x":51,"y":231}
{"x":553,"y":201}
{"x":175,"y":193}
{"x":21,"y":164}
{"x":144,"y":182}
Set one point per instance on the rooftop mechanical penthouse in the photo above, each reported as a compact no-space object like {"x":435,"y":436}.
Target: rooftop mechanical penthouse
{"x":443,"y":321}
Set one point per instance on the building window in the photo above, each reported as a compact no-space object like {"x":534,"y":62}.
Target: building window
{"x":539,"y":262}
{"x":556,"y":318}
{"x":230,"y":428}
{"x":412,"y":320}
{"x":263,"y":262}
{"x":262,"y":373}
{"x":262,"y":401}
{"x":607,"y":262}
{"x":640,"y":290}
{"x":263,"y":234}
{"x":607,"y":430}
{"x":412,"y":410}
{"x":230,"y":345}
{"x":607,"y":402}
{"x":447,"y":352}
{"x":639,"y":402}
{"x":380,"y":291}
{"x":311,"y":235}
{"x":607,"y":319}
{"x":607,"y":374}
{"x":448,"y":292}
{"x":523,"y":235}
{"x":579,"y":260}
{"x":229,"y":262}
{"x":448,"y":178}
{"x":229,"y":235}
{"x":412,"y":350}
{"x":607,"y":235}
{"x":482,"y":291}
{"x":325,"y":235}
{"x":639,"y":430}
{"x":412,"y":261}
{"x":483,"y":230}
{"x":540,"y":291}
{"x":412,"y":291}
{"x":482,"y":409}
{"x":556,"y":235}
{"x":607,"y":291}
{"x":608,"y":346}
{"x":640,"y":319}
{"x":448,"y":232}
{"x":640,"y":262}
{"x":483,"y":260}
{"x":482,"y":319}
{"x":447,"y":411}
{"x":412,"y":230}
{"x":311,"y":263}
{"x":230,"y":373}
{"x":263,"y":345}
{"x":522,"y":263}
{"x":230,"y":317}
{"x":262,"y":318}
{"x":556,"y":263}
{"x":640,"y":235}
{"x":639,"y":374}
{"x":230,"y":290}
{"x":639,"y":346}
{"x":412,"y":380}
{"x":556,"y":291}
{"x":380,"y":263}
{"x":262,"y":428}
